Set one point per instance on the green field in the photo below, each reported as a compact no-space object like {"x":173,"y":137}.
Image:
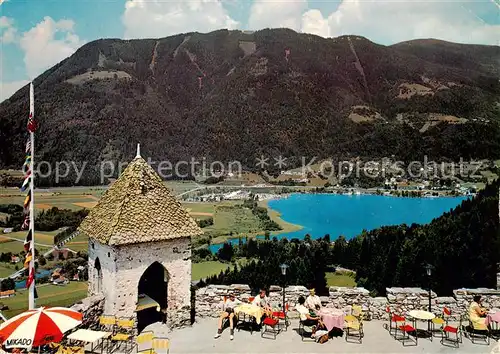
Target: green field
{"x":43,"y":237}
{"x":16,"y":246}
{"x":334,"y":279}
{"x":79,"y":243}
{"x":205,"y":269}
{"x":7,"y":269}
{"x":48,"y":295}
{"x":232,"y":222}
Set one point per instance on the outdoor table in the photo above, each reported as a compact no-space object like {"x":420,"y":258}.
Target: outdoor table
{"x":145,"y":302}
{"x":422,"y":316}
{"x":493,"y":320}
{"x":89,"y":336}
{"x":332,"y":318}
{"x":250,"y":310}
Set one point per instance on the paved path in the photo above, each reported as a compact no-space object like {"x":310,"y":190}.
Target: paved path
{"x":199,"y":339}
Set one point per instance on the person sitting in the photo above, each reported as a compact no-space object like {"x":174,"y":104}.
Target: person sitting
{"x":262,"y":301}
{"x":305,"y":316}
{"x":477,"y":314}
{"x":313,"y":302}
{"x":228,"y":312}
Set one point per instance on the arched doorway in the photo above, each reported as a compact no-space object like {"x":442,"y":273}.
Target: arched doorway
{"x":153,"y":284}
{"x":97,"y":276}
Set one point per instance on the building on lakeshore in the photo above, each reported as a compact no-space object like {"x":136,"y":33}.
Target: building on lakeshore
{"x":140,"y":249}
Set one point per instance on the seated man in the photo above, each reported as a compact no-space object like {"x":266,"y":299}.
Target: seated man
{"x":313,"y":302}
{"x":228,"y":306}
{"x":305,"y":316}
{"x":263,"y":301}
{"x":477,"y":314}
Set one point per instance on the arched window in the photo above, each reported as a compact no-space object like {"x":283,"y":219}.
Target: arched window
{"x":97,"y":276}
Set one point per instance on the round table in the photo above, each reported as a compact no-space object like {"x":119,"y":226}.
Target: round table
{"x":332,"y":318}
{"x":422,"y":315}
{"x":493,"y":317}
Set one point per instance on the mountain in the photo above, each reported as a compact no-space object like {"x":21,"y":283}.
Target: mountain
{"x":231,"y":95}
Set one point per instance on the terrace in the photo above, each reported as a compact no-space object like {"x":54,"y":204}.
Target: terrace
{"x":199,"y":339}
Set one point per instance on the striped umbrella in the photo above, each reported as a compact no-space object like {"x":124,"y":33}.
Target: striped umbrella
{"x":38,"y":327}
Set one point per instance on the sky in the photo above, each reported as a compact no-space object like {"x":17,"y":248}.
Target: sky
{"x":37,"y":34}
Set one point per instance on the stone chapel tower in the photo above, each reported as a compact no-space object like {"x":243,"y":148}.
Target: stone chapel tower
{"x":140,"y":249}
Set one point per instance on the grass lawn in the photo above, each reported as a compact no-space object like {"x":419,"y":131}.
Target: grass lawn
{"x":334,"y":279}
{"x":7,"y":269}
{"x":231,"y":222}
{"x":205,"y":269}
{"x":79,"y":243}
{"x":48,"y":295}
{"x":44,"y":237}
{"x":16,"y":246}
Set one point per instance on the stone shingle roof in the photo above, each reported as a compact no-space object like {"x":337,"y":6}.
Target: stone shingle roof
{"x":137,"y":208}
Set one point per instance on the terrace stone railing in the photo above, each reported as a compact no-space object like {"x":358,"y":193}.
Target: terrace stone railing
{"x":401,"y":300}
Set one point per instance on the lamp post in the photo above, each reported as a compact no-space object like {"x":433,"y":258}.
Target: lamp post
{"x":283,"y":272}
{"x":428,"y":268}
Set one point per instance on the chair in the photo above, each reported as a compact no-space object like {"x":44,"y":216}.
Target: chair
{"x":302,"y":329}
{"x":272,"y":323}
{"x":394,"y":321}
{"x":406,"y":329}
{"x":144,"y":343}
{"x":107,"y":323}
{"x":438,"y":322}
{"x":357,"y":311}
{"x":354,"y":327}
{"x":474,"y":331}
{"x":124,"y":332}
{"x":161,"y":345}
{"x":448,"y":331}
{"x":283,"y":315}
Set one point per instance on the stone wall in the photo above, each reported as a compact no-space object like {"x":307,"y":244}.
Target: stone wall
{"x":92,"y":308}
{"x":123,"y":266}
{"x":400,"y":300}
{"x":133,"y":260}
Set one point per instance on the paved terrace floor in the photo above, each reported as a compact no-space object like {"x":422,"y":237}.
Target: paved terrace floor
{"x":200,"y":339}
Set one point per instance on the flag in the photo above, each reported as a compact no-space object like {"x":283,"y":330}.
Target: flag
{"x":26,"y":181}
{"x":27,"y":201}
{"x":31,"y":277}
{"x":26,"y":221}
{"x":27,"y":240}
{"x":28,"y":259}
{"x":31,"y":123}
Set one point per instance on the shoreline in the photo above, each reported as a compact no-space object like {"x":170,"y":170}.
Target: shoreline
{"x":273,"y":215}
{"x":290,"y":227}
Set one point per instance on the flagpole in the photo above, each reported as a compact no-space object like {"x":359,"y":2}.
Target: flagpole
{"x":31,"y":298}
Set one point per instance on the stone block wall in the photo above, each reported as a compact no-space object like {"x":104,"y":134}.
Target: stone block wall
{"x":400,"y":300}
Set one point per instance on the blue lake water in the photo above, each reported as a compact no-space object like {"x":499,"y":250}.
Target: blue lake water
{"x":348,"y":215}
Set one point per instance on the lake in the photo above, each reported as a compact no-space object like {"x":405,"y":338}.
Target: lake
{"x":348,"y":215}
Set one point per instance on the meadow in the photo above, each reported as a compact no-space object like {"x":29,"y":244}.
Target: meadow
{"x":48,"y":295}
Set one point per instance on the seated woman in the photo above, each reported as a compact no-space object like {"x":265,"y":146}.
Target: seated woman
{"x":229,"y":306}
{"x":305,"y":316}
{"x":477,"y":314}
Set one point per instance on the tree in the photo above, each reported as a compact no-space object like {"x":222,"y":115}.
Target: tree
{"x":41,"y":260}
{"x":226,"y":252}
{"x":7,"y":284}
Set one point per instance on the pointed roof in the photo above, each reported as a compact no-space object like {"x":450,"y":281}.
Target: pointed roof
{"x":137,"y":208}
